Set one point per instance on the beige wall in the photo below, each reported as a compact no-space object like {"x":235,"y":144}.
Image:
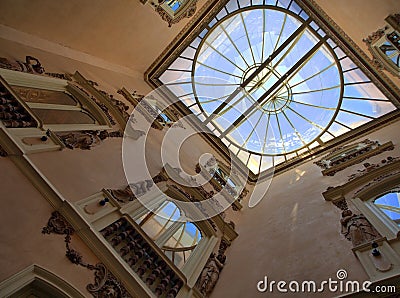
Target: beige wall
{"x":293,"y":233}
{"x":23,"y":214}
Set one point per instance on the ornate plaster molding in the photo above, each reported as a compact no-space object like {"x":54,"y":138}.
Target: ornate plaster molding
{"x":105,"y":284}
{"x":345,"y":156}
{"x":86,"y":139}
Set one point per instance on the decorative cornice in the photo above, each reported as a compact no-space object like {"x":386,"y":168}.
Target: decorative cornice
{"x":363,"y":151}
{"x":362,"y":182}
{"x":370,"y":167}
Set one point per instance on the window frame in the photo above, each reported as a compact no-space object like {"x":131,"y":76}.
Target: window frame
{"x":84,"y":104}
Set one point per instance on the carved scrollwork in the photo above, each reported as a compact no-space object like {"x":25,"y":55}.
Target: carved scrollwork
{"x":105,"y":284}
{"x":58,"y":224}
{"x":31,"y":65}
{"x":375,"y":36}
{"x":341,"y":204}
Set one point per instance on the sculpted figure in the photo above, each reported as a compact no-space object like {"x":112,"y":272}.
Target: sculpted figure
{"x":357,"y":228}
{"x":210,"y":274}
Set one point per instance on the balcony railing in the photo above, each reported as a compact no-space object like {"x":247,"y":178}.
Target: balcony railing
{"x":144,"y":257}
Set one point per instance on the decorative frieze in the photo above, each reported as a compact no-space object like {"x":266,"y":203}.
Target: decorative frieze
{"x":370,"y":167}
{"x":86,"y":139}
{"x":345,"y":156}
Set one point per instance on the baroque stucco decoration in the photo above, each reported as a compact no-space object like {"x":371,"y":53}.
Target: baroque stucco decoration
{"x":86,"y":140}
{"x":370,"y":167}
{"x":344,"y":156}
{"x":30,"y":65}
{"x":187,"y":11}
{"x":210,"y":274}
{"x":131,"y":191}
{"x":105,"y":284}
{"x":375,"y":40}
{"x":357,"y":228}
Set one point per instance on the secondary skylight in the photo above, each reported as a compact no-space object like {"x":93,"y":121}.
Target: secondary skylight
{"x":271,"y":84}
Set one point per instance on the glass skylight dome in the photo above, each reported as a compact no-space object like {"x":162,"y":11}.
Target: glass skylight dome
{"x":289,"y":81}
{"x":271,"y":83}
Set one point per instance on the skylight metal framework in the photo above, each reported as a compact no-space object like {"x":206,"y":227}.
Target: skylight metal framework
{"x":271,"y":83}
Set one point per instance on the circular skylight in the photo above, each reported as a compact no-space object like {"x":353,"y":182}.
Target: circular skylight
{"x":266,"y":81}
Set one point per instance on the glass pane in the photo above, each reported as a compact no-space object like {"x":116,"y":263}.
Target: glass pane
{"x":155,"y":225}
{"x":63,"y":117}
{"x":179,"y":247}
{"x":390,"y":205}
